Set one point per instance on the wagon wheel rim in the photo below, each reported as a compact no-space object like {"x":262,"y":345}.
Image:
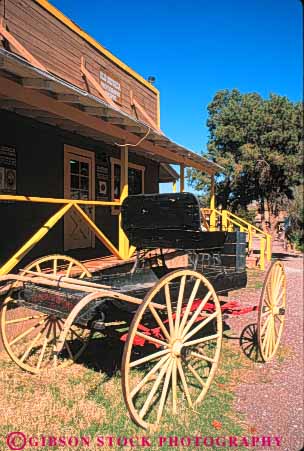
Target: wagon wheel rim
{"x":271,"y":312}
{"x":34,"y":348}
{"x":189,"y":346}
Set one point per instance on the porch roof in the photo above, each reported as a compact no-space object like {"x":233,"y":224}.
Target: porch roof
{"x":35,"y":93}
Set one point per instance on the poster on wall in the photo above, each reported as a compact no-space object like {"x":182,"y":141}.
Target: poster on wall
{"x":8,"y":164}
{"x":102,"y":178}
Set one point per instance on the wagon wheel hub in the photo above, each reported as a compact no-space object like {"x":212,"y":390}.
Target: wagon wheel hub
{"x":176,"y":348}
{"x":275,"y":310}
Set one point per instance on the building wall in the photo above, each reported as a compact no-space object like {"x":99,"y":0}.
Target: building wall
{"x":40,"y":156}
{"x":60,"y":50}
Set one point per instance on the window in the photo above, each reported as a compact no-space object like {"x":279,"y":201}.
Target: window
{"x":135,"y":178}
{"x":79,"y":173}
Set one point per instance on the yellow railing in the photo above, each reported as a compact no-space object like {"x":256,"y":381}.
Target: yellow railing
{"x":229,"y":221}
{"x":65,"y":206}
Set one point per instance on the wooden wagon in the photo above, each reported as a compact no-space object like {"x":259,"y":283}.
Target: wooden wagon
{"x":170,"y":319}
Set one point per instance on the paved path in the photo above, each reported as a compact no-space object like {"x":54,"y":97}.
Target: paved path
{"x":271,"y":398}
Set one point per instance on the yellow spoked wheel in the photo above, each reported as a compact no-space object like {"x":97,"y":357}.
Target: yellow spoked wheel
{"x":271,"y":313}
{"x":171,"y":355}
{"x":29,"y":336}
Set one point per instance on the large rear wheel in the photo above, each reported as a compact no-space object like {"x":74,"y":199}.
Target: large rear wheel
{"x":171,"y":355}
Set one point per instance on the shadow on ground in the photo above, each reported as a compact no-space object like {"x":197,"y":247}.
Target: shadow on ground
{"x":103,"y":354}
{"x":248,"y":341}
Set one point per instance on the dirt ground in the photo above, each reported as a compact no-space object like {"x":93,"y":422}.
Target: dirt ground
{"x":271,"y":395}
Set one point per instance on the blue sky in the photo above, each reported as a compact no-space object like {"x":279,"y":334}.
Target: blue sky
{"x":196,"y":47}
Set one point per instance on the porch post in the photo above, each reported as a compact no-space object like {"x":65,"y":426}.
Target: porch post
{"x":174,"y":186}
{"x":124,"y":191}
{"x":182,"y":178}
{"x":212,"y":205}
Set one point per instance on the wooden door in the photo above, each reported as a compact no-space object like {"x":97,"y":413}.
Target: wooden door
{"x":79,"y":183}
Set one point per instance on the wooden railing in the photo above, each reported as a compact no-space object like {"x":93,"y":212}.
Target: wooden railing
{"x":65,"y":206}
{"x":229,"y":221}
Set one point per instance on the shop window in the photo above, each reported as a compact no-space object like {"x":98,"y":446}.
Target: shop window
{"x":79,"y":182}
{"x":135,"y":179}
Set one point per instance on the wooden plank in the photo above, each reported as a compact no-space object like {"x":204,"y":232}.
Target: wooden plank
{"x":100,"y":49}
{"x":44,"y":24}
{"x":143,"y":112}
{"x":19,"y":47}
{"x":90,"y":78}
{"x":61,"y":54}
{"x":68,"y":98}
{"x":49,"y":58}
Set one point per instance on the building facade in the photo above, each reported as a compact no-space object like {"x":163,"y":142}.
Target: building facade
{"x":76,"y":124}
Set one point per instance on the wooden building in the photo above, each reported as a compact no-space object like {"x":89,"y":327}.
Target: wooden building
{"x":76,"y":124}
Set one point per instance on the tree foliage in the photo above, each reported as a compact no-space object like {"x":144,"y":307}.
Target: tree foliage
{"x":258,"y":143}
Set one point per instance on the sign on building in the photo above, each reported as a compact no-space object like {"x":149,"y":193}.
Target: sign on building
{"x":7,"y":170}
{"x":111,"y":85}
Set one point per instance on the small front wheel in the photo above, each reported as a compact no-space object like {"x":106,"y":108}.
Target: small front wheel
{"x":271,"y":313}
{"x":30,"y":337}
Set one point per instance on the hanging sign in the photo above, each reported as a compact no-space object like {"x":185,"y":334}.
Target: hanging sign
{"x":8,"y":164}
{"x":110,"y":84}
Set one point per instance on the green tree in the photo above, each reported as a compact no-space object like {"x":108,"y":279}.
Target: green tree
{"x":258,"y":143}
{"x":295,"y":210}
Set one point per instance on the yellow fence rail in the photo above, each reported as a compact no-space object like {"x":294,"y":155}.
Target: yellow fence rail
{"x":65,"y":206}
{"x":230,"y":221}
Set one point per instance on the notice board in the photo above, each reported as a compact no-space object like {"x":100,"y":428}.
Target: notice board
{"x":8,"y":170}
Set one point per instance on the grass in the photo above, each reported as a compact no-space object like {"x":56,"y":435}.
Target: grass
{"x":79,"y":401}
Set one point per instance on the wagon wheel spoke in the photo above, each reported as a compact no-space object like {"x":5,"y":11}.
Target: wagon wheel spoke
{"x":189,"y":305}
{"x":159,"y":322}
{"x":73,"y":332}
{"x":201,"y":340}
{"x":46,"y":339}
{"x":149,"y":375}
{"x":148,"y":358}
{"x":165,"y":391}
{"x":24,"y":330}
{"x":196,"y":315}
{"x":202,"y":356}
{"x":55,"y":266}
{"x":196,"y":375}
{"x":26,"y":333}
{"x":179,"y":303}
{"x":265,"y":324}
{"x":151,"y":339}
{"x":184,"y":382}
{"x":200,"y":326}
{"x":33,"y":343}
{"x":154,"y":389}
{"x":169,"y":309}
{"x":183,"y":369}
{"x":174,"y":387}
{"x":69,"y":269}
{"x":27,"y":318}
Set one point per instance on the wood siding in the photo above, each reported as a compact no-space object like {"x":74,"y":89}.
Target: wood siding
{"x":60,"y":50}
{"x":40,"y":156}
